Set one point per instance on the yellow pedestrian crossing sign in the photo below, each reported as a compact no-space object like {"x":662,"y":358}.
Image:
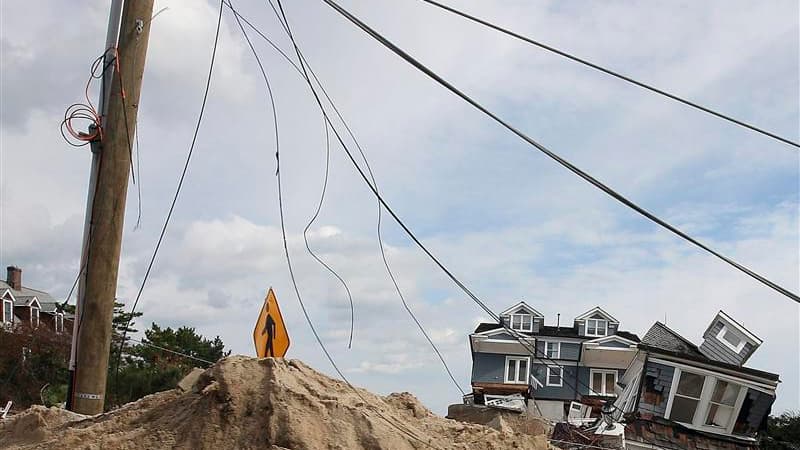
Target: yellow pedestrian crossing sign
{"x":269,"y":335}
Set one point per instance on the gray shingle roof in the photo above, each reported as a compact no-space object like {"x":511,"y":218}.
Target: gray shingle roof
{"x":43,"y":296}
{"x":661,"y":336}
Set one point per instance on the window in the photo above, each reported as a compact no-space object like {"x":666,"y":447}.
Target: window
{"x":731,"y":339}
{"x":8,"y":311}
{"x":34,"y":317}
{"x":603,"y":381}
{"x":555,"y":376}
{"x":517,"y":370}
{"x":596,"y":327}
{"x":705,"y":402}
{"x":59,"y":323}
{"x":522,"y":322}
{"x":552,"y":350}
{"x":687,"y":397}
{"x":721,"y":405}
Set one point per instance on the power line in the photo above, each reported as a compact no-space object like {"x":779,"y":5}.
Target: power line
{"x":568,"y":165}
{"x":171,"y":351}
{"x":177,"y":190}
{"x":400,"y":428}
{"x":618,"y":75}
{"x":311,"y":222}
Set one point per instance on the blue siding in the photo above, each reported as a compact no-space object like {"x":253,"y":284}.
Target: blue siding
{"x":488,"y":367}
{"x":565,"y":392}
{"x":713,"y":348}
{"x":655,"y":388}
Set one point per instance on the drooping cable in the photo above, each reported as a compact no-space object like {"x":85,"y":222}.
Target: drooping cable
{"x":563,"y":162}
{"x":177,"y":190}
{"x":610,"y":72}
{"x":311,"y":222}
{"x":330,"y":358}
{"x":384,"y":258}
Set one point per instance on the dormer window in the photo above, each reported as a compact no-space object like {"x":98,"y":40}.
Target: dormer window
{"x":596,"y":327}
{"x":731,"y":339}
{"x":522,"y":322}
{"x":59,"y":323}
{"x":8,"y":311}
{"x":34,"y":317}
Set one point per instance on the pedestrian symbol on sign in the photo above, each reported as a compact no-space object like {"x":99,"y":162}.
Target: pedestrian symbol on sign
{"x":270,"y":336}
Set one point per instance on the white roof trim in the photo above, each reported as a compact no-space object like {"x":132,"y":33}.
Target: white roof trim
{"x":526,"y":306}
{"x":8,"y":291}
{"x":728,"y":319}
{"x":594,"y":310}
{"x":34,"y":299}
{"x":611,"y":337}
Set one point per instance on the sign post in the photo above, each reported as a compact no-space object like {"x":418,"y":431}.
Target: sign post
{"x":269,"y":335}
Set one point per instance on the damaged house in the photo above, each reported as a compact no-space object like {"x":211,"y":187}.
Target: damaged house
{"x":547,"y":368}
{"x":677,"y":395}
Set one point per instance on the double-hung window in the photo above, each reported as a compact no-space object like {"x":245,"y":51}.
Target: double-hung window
{"x":705,"y":401}
{"x":517,"y":370}
{"x":555,"y":376}
{"x":596,"y":327}
{"x":603,"y":381}
{"x":34,"y":317}
{"x":59,"y":323}
{"x":522,"y":322}
{"x":552,"y":350}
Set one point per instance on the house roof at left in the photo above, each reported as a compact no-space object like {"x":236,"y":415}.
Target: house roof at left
{"x":25,"y":294}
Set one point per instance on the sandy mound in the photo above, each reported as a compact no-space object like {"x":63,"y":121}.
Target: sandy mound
{"x":259,"y":403}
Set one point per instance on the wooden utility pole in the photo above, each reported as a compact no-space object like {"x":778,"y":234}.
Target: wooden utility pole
{"x":93,"y":326}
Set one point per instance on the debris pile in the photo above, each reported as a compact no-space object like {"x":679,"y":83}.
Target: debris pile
{"x":253,"y":403}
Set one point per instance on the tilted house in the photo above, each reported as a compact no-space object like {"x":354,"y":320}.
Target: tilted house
{"x":679,"y":395}
{"x":550,"y":366}
{"x":26,"y":307}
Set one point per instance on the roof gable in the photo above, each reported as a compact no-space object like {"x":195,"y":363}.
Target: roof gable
{"x":597,"y":311}
{"x":739,"y":327}
{"x":527,"y":309}
{"x":28,"y":300}
{"x":6,"y":294}
{"x":662,"y":337}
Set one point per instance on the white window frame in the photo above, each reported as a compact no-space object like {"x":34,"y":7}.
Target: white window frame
{"x":35,"y":325}
{"x":556,"y":353}
{"x":596,"y":327}
{"x":560,"y":376}
{"x":516,"y":370}
{"x":521,"y":322}
{"x":604,"y":372}
{"x":721,"y":338}
{"x":704,"y":404}
{"x":59,"y":323}
{"x":8,"y":319}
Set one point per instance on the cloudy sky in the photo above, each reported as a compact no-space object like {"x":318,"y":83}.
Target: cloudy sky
{"x":504,"y":218}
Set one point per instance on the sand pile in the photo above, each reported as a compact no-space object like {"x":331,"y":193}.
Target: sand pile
{"x":259,"y":403}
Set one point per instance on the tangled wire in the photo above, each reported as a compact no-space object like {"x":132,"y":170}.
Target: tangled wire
{"x":81,"y":113}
